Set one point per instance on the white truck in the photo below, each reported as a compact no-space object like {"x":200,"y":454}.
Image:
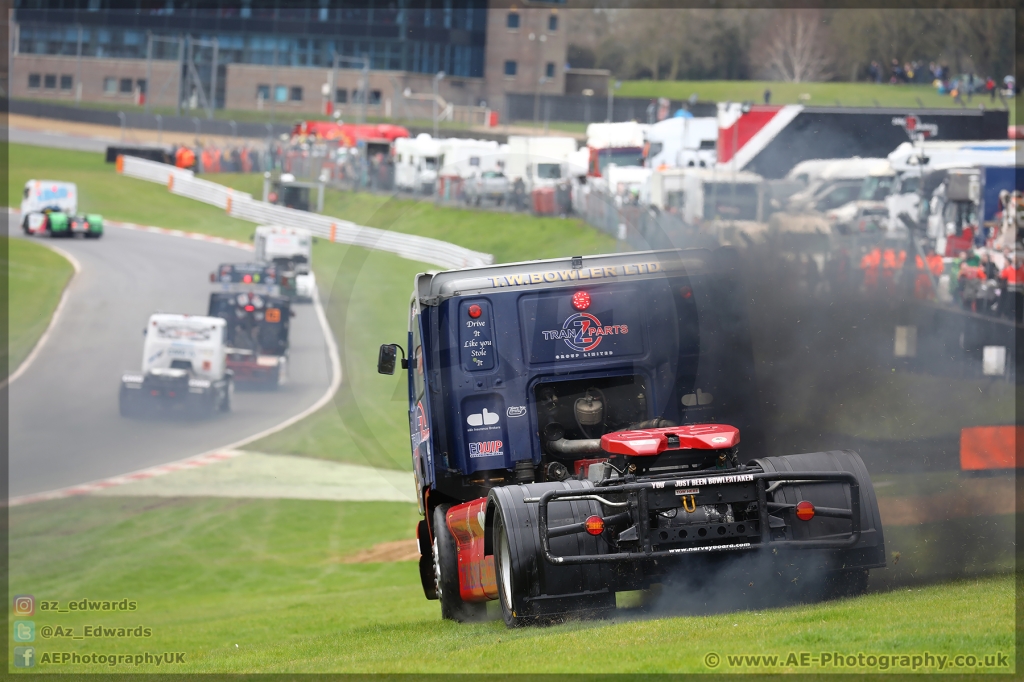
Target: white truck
{"x":539,"y":161}
{"x":51,"y":207}
{"x":291,"y":250}
{"x":619,"y":143}
{"x":911,"y":162}
{"x":682,"y":142}
{"x":184,"y":369}
{"x":698,"y":195}
{"x":417,"y":163}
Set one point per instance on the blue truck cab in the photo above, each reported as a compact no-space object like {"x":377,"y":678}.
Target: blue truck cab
{"x":534,"y":385}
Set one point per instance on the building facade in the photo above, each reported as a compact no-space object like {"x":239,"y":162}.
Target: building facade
{"x":253,"y":54}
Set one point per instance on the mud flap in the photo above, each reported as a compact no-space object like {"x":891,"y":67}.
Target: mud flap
{"x":538,"y":588}
{"x":869,"y":552}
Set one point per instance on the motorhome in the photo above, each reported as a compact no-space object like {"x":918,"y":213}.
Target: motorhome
{"x":464,"y":158}
{"x":417,"y":162}
{"x":539,"y":161}
{"x":698,"y":194}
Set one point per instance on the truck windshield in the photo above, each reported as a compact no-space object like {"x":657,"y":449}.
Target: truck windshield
{"x":549,"y":171}
{"x":876,"y":188}
{"x":620,"y":156}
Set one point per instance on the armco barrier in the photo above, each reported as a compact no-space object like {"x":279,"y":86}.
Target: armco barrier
{"x":242,"y":205}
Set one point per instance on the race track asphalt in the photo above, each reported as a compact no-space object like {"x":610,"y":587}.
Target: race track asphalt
{"x":64,"y":427}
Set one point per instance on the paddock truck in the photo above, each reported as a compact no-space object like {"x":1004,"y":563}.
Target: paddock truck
{"x":575,"y":429}
{"x":256,"y":332}
{"x":290,"y":250}
{"x":51,"y":208}
{"x":183,"y":369}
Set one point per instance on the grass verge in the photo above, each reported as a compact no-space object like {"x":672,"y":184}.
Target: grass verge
{"x":259,"y":586}
{"x":821,"y":94}
{"x":36,"y":277}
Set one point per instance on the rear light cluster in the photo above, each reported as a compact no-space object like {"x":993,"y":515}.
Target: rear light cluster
{"x":594,"y":525}
{"x":581,"y":300}
{"x":804,"y":510}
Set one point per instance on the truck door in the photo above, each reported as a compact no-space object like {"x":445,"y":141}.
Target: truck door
{"x":419,"y":405}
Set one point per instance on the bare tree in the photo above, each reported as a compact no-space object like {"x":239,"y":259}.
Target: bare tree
{"x":796,"y":46}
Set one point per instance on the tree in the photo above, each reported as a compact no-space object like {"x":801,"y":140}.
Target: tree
{"x":796,"y":47}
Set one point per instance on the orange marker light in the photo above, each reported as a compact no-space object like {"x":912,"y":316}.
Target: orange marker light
{"x":804,"y":510}
{"x":594,"y":525}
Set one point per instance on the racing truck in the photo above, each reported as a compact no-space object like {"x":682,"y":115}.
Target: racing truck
{"x":183,"y":369}
{"x":290,"y":250}
{"x":51,"y":208}
{"x":257,"y":320}
{"x":576,"y":432}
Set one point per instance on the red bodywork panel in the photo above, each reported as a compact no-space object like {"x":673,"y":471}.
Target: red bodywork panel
{"x":650,"y":442}
{"x":350,"y":133}
{"x":249,"y":369}
{"x":476,"y":570}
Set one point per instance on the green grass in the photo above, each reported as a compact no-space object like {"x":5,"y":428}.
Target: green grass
{"x":101,"y":190}
{"x":257,"y":586}
{"x":36,"y":277}
{"x":821,"y":94}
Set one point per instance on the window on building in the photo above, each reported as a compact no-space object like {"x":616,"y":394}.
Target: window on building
{"x":340,"y":96}
{"x":281,"y":93}
{"x":50,"y":81}
{"x":295,"y":93}
{"x":126,"y":86}
{"x":34,"y":79}
{"x":549,"y":70}
{"x":553,"y":23}
{"x":513,"y":20}
{"x":510,"y":67}
{"x":66,"y":82}
{"x":263,"y":92}
{"x":109,"y":85}
{"x":375,"y":97}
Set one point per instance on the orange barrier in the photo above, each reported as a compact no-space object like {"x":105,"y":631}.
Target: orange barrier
{"x":990,"y":447}
{"x":119,"y":164}
{"x":334,"y":229}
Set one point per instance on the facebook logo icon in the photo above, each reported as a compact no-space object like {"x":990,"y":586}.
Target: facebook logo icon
{"x":24,"y":656}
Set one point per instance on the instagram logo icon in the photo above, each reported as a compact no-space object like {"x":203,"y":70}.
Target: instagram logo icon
{"x":24,"y":605}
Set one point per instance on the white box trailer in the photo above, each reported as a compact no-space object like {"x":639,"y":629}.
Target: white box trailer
{"x":465,"y":158}
{"x":417,"y":162}
{"x":539,"y":161}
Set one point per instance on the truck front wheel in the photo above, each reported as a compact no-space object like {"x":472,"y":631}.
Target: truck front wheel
{"x":446,"y":574}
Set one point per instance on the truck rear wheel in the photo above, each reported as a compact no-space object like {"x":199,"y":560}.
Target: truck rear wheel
{"x":504,"y":575}
{"x":446,"y":574}
{"x":225,"y":403}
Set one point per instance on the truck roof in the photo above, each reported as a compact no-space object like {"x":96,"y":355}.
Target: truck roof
{"x":559,"y":272}
{"x":280,"y":229}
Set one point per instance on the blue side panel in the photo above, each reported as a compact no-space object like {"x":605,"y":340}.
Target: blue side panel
{"x":996,"y":180}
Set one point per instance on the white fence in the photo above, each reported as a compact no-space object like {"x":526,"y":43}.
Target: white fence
{"x":242,"y":205}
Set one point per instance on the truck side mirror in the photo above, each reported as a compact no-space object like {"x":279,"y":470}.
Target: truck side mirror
{"x":386,"y":358}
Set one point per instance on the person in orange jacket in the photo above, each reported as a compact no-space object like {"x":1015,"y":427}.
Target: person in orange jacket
{"x":890,"y":263}
{"x":184,"y":158}
{"x":869,"y":264}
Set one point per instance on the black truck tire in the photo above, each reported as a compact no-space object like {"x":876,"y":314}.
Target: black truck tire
{"x":126,"y":406}
{"x":225,"y":403}
{"x":426,"y":560}
{"x":529,"y":587}
{"x":446,"y":574}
